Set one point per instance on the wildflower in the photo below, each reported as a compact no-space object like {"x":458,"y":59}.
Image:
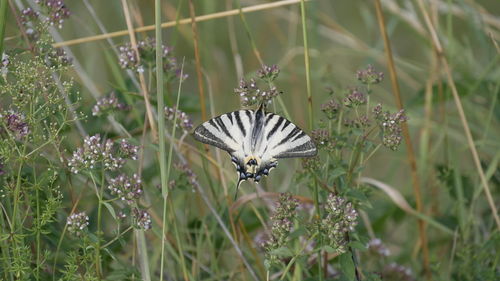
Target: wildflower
{"x":376,"y":246}
{"x":251,"y":94}
{"x":341,"y":217}
{"x":186,"y":172}
{"x":390,"y":125}
{"x":322,"y":139}
{"x":56,"y":11}
{"x":77,"y":223}
{"x":121,"y":215}
{"x":4,"y":65}
{"x":282,"y":219}
{"x":146,"y":53}
{"x":311,"y":163}
{"x":128,"y":150}
{"x":108,"y":104}
{"x":57,"y":56}
{"x":142,"y":219}
{"x":354,"y":98}
{"x":95,"y":152}
{"x":369,"y":75}
{"x":16,"y":124}
{"x":126,"y":188}
{"x":29,"y":14}
{"x":359,"y":122}
{"x":268,"y":73}
{"x":183,"y":120}
{"x":331,"y":109}
{"x":395,"y":271}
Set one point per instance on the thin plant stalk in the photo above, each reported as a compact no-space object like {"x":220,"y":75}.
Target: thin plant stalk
{"x":406,"y":134}
{"x":161,"y":127}
{"x":199,"y":75}
{"x":165,"y":190}
{"x":3,"y":22}
{"x":306,"y":62}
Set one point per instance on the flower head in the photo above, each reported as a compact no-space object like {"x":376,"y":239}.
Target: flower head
{"x":378,"y":248}
{"x":183,"y":120}
{"x":16,"y":124}
{"x":268,"y":73}
{"x":142,"y":219}
{"x":126,"y":188}
{"x":341,"y":217}
{"x":331,"y":109}
{"x":282,"y":224}
{"x":96,"y":151}
{"x":354,"y":98}
{"x":77,"y":223}
{"x":146,"y":55}
{"x":55,"y":10}
{"x":369,"y":75}
{"x":390,"y":125}
{"x":107,"y":104}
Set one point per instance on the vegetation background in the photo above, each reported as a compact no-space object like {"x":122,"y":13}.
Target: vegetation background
{"x":426,"y":211}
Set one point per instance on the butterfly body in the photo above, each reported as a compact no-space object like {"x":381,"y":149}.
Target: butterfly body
{"x":255,"y":139}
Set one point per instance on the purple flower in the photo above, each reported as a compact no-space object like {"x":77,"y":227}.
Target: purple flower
{"x":183,"y":120}
{"x":55,"y":10}
{"x":142,"y":219}
{"x":107,"y":104}
{"x":77,"y":223}
{"x":268,"y":73}
{"x":354,"y":98}
{"x":16,"y":124}
{"x":98,"y":152}
{"x":126,"y":188}
{"x":341,"y":217}
{"x":369,"y":75}
{"x":390,"y":125}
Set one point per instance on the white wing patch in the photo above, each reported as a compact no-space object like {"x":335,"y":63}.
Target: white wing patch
{"x":228,"y":131}
{"x":283,"y":139}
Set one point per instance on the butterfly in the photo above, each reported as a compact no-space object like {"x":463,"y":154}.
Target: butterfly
{"x":255,"y":139}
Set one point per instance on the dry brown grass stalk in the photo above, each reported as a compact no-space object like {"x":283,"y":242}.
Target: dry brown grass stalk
{"x":406,"y":134}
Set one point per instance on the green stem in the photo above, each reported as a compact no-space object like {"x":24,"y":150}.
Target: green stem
{"x":3,"y":23}
{"x":292,"y":261}
{"x":99,"y":231}
{"x":306,"y":62}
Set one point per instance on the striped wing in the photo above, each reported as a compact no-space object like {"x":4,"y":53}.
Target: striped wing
{"x":228,"y":132}
{"x":283,"y":139}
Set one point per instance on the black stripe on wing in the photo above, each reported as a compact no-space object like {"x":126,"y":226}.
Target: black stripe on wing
{"x":307,"y":149}
{"x":287,"y":139}
{"x":201,"y":133}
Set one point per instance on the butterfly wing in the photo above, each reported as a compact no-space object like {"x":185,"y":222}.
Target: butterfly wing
{"x":283,"y":139}
{"x":228,"y":131}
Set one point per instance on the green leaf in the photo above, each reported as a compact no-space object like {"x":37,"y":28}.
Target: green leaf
{"x":110,"y":209}
{"x":298,"y":232}
{"x":282,"y":252}
{"x":358,"y":245}
{"x":337,"y":172}
{"x":347,"y":266}
{"x":329,"y":249}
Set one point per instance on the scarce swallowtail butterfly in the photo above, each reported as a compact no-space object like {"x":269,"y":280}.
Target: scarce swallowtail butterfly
{"x":255,"y":139}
